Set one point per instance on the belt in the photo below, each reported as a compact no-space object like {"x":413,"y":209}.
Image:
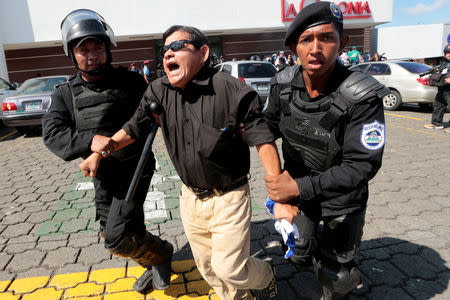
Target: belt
{"x":201,"y":193}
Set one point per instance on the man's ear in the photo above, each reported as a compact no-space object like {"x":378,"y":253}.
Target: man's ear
{"x":204,"y":52}
{"x":344,"y":41}
{"x":293,"y":48}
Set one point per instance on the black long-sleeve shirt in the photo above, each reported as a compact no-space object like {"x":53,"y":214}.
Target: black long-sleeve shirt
{"x":342,"y":188}
{"x":199,"y":125}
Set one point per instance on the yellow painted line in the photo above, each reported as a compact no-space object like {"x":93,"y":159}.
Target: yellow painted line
{"x":5,"y":136}
{"x":405,"y":117}
{"x":15,"y":146}
{"x":107,"y":284}
{"x":427,"y":131}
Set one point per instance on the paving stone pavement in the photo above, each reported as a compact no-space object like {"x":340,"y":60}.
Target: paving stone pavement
{"x":50,"y":247}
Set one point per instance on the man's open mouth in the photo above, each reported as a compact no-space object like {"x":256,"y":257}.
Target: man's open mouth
{"x":172,"y":66}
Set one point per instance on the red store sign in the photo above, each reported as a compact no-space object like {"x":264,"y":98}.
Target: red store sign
{"x":350,"y":9}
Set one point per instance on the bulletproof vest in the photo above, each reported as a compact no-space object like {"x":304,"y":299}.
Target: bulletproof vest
{"x":98,"y":111}
{"x":309,"y":129}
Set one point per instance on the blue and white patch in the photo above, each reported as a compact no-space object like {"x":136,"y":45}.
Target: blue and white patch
{"x":266,"y":103}
{"x":335,"y":11}
{"x":373,"y":135}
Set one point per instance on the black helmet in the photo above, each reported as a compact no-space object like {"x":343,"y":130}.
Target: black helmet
{"x":447,"y":49}
{"x":84,"y":23}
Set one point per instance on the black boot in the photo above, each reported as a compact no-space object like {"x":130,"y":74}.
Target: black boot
{"x":162,"y":272}
{"x":144,"y":283}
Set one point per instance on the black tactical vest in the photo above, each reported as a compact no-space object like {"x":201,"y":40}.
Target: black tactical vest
{"x":309,"y":128}
{"x":98,"y":111}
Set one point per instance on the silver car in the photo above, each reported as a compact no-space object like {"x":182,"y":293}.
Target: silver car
{"x":402,"y":78}
{"x":30,"y":102}
{"x":6,"y":90}
{"x":256,"y":74}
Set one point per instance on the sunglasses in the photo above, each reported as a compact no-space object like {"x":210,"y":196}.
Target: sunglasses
{"x":176,"y":46}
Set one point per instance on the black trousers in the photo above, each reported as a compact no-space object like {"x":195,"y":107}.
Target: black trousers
{"x":117,"y":216}
{"x":336,"y":241}
{"x":440,"y":106}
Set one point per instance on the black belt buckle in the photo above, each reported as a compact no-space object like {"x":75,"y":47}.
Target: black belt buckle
{"x":201,"y":193}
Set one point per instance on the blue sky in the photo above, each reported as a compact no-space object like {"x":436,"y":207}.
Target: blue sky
{"x":418,"y":12}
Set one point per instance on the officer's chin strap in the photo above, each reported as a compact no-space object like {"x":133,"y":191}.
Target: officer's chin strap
{"x":97,"y":71}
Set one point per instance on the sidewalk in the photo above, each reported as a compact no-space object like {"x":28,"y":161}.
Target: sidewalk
{"x":50,"y":247}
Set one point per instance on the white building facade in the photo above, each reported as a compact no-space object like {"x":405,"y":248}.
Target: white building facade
{"x":415,"y":42}
{"x":30,"y":41}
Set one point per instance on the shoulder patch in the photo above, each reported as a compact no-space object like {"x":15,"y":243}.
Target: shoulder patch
{"x":373,"y":135}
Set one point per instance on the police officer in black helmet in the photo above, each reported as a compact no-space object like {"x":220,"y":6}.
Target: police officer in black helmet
{"x":331,"y":122}
{"x":84,"y":113}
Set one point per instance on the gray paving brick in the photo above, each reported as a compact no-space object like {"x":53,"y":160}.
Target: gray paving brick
{"x":388,"y":293}
{"x":50,"y":245}
{"x":50,"y":197}
{"x":4,"y":260}
{"x":27,"y":198}
{"x":415,"y":266}
{"x":110,"y":264}
{"x":59,"y":257}
{"x":25,"y":260}
{"x":25,"y":191}
{"x":72,"y":268}
{"x":306,"y":286}
{"x":46,"y":189}
{"x":18,"y":248}
{"x":15,"y":218}
{"x":83,"y":242}
{"x":422,"y":289}
{"x":382,"y":273}
{"x":93,"y":254}
{"x":40,"y":217}
{"x":17,"y":230}
{"x":23,"y":239}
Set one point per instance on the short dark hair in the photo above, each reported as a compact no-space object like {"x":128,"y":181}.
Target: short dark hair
{"x":195,"y":35}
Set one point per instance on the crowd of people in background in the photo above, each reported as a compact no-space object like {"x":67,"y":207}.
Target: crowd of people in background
{"x":353,"y":57}
{"x":280,"y":60}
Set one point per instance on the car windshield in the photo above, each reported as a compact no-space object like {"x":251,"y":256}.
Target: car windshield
{"x":5,"y":86}
{"x":40,"y":85}
{"x":413,"y":67}
{"x":256,"y":70}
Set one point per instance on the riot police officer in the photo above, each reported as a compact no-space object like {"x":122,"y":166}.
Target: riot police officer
{"x":331,"y":122}
{"x":441,"y":79}
{"x":84,"y":113}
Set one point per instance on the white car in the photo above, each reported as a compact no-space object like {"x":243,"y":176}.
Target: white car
{"x":402,"y":78}
{"x":256,"y":74}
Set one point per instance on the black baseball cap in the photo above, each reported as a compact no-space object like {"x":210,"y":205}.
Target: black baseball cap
{"x":315,"y":14}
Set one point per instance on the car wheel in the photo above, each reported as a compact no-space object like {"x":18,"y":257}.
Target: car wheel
{"x":392,"y":101}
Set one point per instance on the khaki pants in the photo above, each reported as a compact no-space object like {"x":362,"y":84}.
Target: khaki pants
{"x":218,"y":230}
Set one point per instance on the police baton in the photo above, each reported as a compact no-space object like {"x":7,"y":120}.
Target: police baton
{"x":156,"y":108}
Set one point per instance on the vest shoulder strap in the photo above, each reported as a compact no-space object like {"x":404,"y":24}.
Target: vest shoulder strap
{"x":356,"y":88}
{"x":284,"y":79}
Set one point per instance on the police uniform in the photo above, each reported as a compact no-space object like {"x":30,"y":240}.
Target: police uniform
{"x":332,"y":146}
{"x":79,"y":111}
{"x":443,"y":95}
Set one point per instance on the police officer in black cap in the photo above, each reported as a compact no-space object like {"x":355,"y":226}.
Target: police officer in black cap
{"x":331,"y":123}
{"x":84,"y":113}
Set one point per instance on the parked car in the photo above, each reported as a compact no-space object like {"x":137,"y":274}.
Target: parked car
{"x":6,"y":89}
{"x":31,"y":101}
{"x":256,"y":74}
{"x":402,"y":78}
